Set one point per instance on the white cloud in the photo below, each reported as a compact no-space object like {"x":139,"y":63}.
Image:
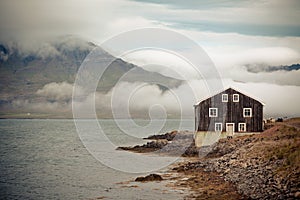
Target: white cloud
{"x":33,"y":20}
{"x":276,"y":77}
{"x":272,"y":56}
{"x":230,"y":64}
{"x":128,"y":23}
{"x":57,"y":91}
{"x":275,"y":12}
{"x":164,"y":62}
{"x":139,"y":98}
{"x":99,"y":19}
{"x":280,"y":100}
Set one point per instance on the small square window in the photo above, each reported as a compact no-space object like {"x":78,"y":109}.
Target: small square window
{"x":224,"y":97}
{"x":218,"y":126}
{"x":247,"y":112}
{"x":235,"y":98}
{"x":213,"y":112}
{"x":242,"y":127}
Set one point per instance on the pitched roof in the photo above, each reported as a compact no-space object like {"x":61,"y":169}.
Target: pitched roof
{"x":227,"y":89}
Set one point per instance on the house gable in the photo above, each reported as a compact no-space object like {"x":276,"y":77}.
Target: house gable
{"x":238,"y":109}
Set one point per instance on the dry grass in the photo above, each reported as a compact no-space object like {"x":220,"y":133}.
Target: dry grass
{"x":277,"y":147}
{"x":284,"y":146}
{"x":208,"y":185}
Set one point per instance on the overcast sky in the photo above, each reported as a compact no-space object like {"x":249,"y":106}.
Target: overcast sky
{"x":230,"y":31}
{"x":212,"y":23}
{"x":235,"y":34}
{"x":100,"y":19}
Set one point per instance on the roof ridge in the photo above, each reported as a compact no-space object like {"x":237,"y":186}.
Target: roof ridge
{"x":230,"y":87}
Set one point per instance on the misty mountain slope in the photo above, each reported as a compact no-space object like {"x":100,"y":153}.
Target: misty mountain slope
{"x":120,"y":70}
{"x":24,"y":71}
{"x":257,"y":68}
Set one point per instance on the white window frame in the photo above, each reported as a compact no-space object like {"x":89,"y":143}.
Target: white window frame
{"x":221,"y":128}
{"x":244,"y":112}
{"x":245,"y":128}
{"x":235,"y":95}
{"x":213,"y":115}
{"x":225,"y":99}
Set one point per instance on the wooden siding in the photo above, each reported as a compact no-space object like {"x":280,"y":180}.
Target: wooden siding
{"x":229,"y":112}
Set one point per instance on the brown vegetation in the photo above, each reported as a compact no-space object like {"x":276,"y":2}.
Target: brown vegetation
{"x":262,"y":166}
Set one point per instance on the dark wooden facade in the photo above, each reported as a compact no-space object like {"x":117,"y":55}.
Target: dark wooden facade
{"x":229,"y":113}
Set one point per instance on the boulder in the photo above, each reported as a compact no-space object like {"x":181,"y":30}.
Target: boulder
{"x":151,"y":177}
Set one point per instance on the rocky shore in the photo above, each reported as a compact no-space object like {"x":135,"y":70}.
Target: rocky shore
{"x":264,"y":166}
{"x":261,"y":166}
{"x":175,"y":143}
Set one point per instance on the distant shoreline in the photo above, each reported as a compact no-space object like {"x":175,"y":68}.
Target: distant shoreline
{"x":47,"y":117}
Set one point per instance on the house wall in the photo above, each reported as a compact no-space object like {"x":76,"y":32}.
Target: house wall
{"x":229,"y":112}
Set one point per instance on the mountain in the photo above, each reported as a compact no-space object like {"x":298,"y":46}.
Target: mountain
{"x":256,"y":68}
{"x":25,"y":70}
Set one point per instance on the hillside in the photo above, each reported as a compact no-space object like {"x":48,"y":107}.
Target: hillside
{"x":256,"y":68}
{"x":24,"y":71}
{"x":262,"y":166}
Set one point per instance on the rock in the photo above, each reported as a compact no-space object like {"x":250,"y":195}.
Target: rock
{"x":244,"y":165}
{"x":234,"y":156}
{"x":181,"y":145}
{"x":244,"y":161}
{"x":151,"y":177}
{"x":168,"y":136}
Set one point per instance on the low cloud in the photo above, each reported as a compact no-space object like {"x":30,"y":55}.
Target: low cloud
{"x":280,"y":100}
{"x":24,"y":105}
{"x":271,"y":56}
{"x":280,"y":77}
{"x":142,"y":99}
{"x":56,"y":91}
{"x":234,"y":64}
{"x":52,"y":98}
{"x":45,"y":48}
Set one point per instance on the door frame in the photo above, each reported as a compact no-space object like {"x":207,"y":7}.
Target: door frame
{"x":232,"y":127}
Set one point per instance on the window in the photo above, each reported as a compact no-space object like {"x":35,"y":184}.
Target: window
{"x":242,"y":127}
{"x":218,"y":126}
{"x":235,"y":98}
{"x":213,"y":112}
{"x":247,"y":112}
{"x":224,"y":97}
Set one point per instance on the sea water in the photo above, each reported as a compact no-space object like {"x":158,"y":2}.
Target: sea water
{"x":45,"y":159}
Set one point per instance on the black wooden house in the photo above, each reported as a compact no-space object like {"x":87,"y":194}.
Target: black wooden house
{"x":229,"y":111}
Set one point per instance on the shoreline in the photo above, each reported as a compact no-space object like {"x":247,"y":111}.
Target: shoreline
{"x":260,"y":166}
{"x":203,"y":184}
{"x":174,"y":143}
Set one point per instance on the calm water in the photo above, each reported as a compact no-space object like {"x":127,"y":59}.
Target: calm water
{"x":45,"y":159}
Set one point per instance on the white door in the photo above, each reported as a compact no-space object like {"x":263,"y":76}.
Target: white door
{"x":230,"y":129}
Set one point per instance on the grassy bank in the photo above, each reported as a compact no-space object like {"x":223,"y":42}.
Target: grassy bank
{"x":261,"y":166}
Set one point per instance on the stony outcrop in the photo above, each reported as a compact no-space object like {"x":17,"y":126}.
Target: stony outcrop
{"x":264,"y":166}
{"x":167,"y":136}
{"x":173,"y":144}
{"x":150,"y":177}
